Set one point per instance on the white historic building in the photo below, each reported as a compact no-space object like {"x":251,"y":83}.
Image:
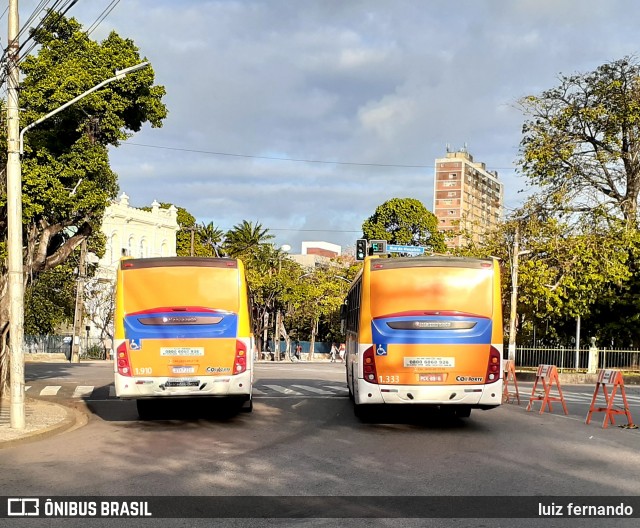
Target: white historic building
{"x":129,"y":231}
{"x":137,"y":233}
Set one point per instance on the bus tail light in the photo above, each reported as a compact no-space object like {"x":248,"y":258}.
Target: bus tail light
{"x":240,"y":362}
{"x":122,"y":357}
{"x":493,"y":368}
{"x":369,"y":366}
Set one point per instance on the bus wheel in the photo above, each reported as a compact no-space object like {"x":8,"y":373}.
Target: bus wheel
{"x":247,"y":406}
{"x":363,"y":412}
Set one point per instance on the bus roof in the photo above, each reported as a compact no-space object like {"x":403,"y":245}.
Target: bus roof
{"x":431,"y":261}
{"x":162,"y":262}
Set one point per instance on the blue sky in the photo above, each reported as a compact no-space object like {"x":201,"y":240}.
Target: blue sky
{"x":386,"y":84}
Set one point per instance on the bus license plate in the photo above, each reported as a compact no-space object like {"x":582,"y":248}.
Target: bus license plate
{"x":432,"y":378}
{"x":184,"y":370}
{"x":182,"y":383}
{"x":182,"y":351}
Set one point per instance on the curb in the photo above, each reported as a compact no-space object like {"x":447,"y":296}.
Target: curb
{"x":73,"y":419}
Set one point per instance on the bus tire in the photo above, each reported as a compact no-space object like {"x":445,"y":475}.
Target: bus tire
{"x":362,"y":412}
{"x":464,"y":411}
{"x":247,"y":406}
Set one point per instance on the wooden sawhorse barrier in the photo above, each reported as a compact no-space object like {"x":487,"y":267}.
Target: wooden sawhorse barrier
{"x":510,"y":376}
{"x":548,"y":375}
{"x":614,"y":378}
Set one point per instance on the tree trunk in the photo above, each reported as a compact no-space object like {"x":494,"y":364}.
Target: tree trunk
{"x":312,"y":344}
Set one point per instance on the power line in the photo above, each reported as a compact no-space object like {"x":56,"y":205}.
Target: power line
{"x":105,"y":13}
{"x":296,"y":160}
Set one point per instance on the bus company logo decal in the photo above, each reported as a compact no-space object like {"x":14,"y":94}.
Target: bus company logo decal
{"x":432,"y":324}
{"x":218,"y":369}
{"x":469,"y":378}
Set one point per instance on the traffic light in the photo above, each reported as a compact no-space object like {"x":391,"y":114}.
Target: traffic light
{"x":378,"y":247}
{"x":361,"y":248}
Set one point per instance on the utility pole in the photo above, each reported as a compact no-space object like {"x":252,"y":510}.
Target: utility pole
{"x":514,"y":293}
{"x":14,"y":225}
{"x":79,"y":309}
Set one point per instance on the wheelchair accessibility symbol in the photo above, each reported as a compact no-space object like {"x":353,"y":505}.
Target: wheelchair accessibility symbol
{"x":381,"y":350}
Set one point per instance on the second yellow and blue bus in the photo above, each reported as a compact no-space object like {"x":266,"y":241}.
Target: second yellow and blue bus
{"x":182,"y":329}
{"x":425,"y":330}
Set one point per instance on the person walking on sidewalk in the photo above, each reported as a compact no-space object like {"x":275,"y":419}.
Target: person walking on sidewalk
{"x":334,"y":351}
{"x":341,"y":352}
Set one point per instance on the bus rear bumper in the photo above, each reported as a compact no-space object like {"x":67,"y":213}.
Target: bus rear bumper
{"x":478,"y":396}
{"x":212,"y":386}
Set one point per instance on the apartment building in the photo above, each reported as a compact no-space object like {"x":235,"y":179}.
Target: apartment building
{"x":467,"y":198}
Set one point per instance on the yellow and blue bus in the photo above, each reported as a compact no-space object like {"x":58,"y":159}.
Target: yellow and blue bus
{"x":425,"y":330}
{"x":182,"y":328}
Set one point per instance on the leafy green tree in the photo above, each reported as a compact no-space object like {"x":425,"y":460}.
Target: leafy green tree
{"x":211,"y":237}
{"x":244,"y":237}
{"x":566,"y":272}
{"x":580,"y":146}
{"x":50,"y":301}
{"x":405,"y":221}
{"x":67,"y":181}
{"x":581,"y":141}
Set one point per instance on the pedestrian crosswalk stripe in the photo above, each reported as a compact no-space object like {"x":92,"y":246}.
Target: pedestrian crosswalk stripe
{"x":336,"y":389}
{"x":283,"y":390}
{"x":112,"y":391}
{"x":312,"y":389}
{"x":27,"y":387}
{"x":257,"y":391}
{"x":82,"y":390}
{"x":50,"y":390}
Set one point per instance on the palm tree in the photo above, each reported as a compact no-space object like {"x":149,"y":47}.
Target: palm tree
{"x":245,"y":236}
{"x":210,"y":236}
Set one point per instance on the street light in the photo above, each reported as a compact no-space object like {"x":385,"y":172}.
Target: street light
{"x":15,"y":267}
{"x":120,"y":74}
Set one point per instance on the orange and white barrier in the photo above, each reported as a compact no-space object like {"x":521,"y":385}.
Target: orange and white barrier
{"x":548,"y":376}
{"x":510,"y":376}
{"x":614,"y":379}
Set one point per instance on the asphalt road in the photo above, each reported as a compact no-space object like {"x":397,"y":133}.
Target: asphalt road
{"x":308,"y":443}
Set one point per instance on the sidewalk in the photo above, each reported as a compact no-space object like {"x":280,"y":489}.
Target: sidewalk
{"x":42,"y":419}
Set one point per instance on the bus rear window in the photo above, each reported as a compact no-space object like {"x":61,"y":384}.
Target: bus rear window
{"x":447,"y":289}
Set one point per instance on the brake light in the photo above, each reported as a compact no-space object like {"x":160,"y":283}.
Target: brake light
{"x":122,"y":358}
{"x":369,"y":365}
{"x":240,"y":362}
{"x":493,"y":367}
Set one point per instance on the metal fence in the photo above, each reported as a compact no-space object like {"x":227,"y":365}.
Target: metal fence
{"x":568,"y":359}
{"x":90,"y":347}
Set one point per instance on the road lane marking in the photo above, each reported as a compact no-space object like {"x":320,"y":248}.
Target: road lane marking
{"x":312,"y":389}
{"x":50,"y":390}
{"x":283,"y":390}
{"x":82,"y":390}
{"x":336,"y":389}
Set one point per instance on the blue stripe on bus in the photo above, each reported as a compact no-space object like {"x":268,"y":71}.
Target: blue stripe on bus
{"x":134,"y":329}
{"x":480,"y":334}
